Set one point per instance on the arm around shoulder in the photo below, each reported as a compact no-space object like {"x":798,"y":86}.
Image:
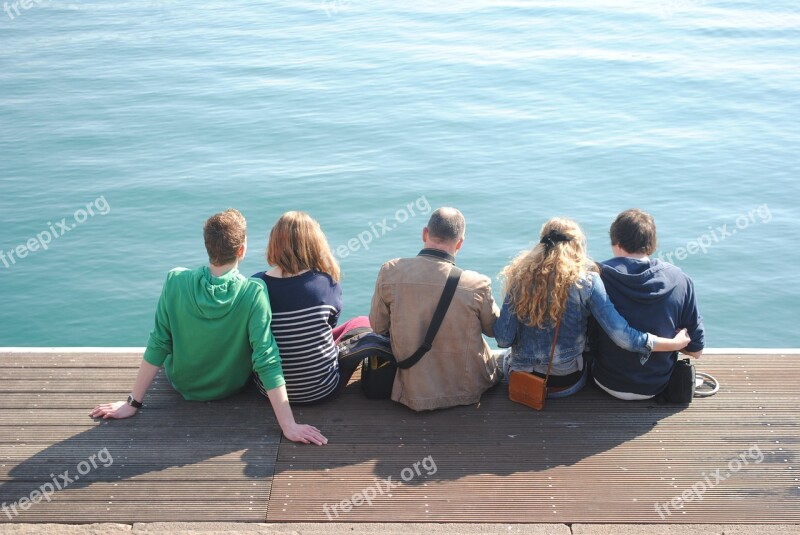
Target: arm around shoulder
{"x":612,"y":322}
{"x":489,"y":311}
{"x":505,"y":329}
{"x":620,"y":331}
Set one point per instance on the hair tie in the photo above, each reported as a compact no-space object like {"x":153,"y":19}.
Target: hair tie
{"x":551,"y":238}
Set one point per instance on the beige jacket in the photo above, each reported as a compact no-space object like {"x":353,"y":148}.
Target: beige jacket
{"x":459,"y":367}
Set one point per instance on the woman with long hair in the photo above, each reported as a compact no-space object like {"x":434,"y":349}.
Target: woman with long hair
{"x":556,"y":283}
{"x":306,"y":300}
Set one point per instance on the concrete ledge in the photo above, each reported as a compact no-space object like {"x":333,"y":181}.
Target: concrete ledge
{"x":223,"y":528}
{"x":683,"y":529}
{"x":65,"y":529}
{"x":351,"y":529}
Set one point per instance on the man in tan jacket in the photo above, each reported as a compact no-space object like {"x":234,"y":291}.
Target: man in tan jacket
{"x":460,"y":366}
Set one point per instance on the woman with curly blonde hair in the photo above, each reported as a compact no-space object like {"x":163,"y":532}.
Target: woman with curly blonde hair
{"x":555,"y":282}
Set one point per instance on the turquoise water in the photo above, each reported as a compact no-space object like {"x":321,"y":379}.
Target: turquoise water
{"x":162,"y":113}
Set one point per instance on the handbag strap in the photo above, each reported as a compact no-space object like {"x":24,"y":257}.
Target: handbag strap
{"x":552,"y":352}
{"x":438,"y":316}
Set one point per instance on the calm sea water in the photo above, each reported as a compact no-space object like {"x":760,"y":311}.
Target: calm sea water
{"x":366,"y":113}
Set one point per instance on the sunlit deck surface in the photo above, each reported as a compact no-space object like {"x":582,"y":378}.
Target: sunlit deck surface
{"x":586,"y":459}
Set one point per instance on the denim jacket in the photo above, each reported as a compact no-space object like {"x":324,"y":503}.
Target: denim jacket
{"x":530,"y":346}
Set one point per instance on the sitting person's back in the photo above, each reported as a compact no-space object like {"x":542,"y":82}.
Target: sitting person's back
{"x":653,"y":296}
{"x":459,"y":367}
{"x":203,"y":334}
{"x":306,"y":300}
{"x":305,"y":307}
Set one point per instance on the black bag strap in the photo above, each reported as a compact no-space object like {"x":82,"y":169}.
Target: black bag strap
{"x":438,"y":316}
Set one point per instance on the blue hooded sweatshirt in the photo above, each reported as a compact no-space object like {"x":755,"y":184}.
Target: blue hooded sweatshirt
{"x":655,"y":297}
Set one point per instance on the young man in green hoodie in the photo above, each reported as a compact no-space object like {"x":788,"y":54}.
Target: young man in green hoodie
{"x":212,"y":330}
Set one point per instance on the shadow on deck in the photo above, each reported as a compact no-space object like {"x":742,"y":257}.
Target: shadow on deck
{"x":585,"y":459}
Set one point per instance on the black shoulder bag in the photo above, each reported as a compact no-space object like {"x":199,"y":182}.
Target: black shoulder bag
{"x":378,"y":370}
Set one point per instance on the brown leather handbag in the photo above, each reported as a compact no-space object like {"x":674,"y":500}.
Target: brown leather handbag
{"x":529,"y":389}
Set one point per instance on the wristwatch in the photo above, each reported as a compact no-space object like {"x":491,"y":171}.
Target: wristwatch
{"x":133,"y":403}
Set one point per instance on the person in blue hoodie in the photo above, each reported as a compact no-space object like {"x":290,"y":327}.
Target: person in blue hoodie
{"x":653,"y":296}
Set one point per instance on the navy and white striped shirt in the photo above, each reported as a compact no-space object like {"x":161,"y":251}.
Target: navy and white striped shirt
{"x":304,"y":310}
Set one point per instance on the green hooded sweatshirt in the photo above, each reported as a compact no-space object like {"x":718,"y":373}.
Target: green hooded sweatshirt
{"x":211,"y":333}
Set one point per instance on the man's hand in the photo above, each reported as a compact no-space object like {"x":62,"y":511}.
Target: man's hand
{"x":120,"y":409}
{"x":305,"y":434}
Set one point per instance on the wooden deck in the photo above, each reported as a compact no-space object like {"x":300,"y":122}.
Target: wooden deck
{"x":586,"y":459}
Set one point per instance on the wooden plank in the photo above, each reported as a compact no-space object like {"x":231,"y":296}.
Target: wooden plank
{"x":76,"y":381}
{"x":589,"y":458}
{"x":166,"y":399}
{"x":89,"y":375}
{"x":118,"y":433}
{"x":254,"y":462}
{"x":69,"y":360}
{"x":77,"y":384}
{"x":144,"y":490}
{"x":179,"y":412}
{"x":148,"y":501}
{"x":158,"y":509}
